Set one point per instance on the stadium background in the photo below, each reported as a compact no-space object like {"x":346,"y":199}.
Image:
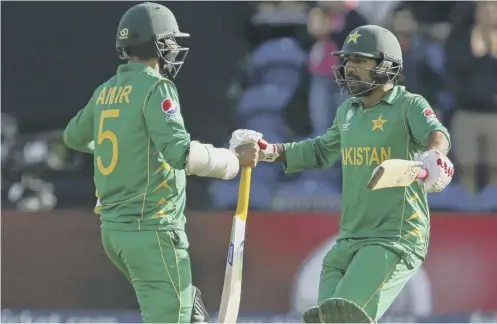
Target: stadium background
{"x":53,"y":267}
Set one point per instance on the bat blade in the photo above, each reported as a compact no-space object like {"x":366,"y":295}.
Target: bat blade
{"x":232,"y":287}
{"x":396,"y":173}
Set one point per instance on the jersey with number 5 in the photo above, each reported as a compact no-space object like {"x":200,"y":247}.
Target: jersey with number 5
{"x":133,"y":126}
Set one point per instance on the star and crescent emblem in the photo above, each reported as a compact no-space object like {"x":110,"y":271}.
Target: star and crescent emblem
{"x":353,"y":37}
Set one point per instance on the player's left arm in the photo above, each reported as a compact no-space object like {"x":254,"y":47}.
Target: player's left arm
{"x":78,"y":134}
{"x":428,"y":132}
{"x":438,"y":140}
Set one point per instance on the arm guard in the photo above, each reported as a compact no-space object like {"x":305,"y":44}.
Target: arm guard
{"x":205,"y":160}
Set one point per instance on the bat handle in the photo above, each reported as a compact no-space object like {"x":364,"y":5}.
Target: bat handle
{"x":423,"y":174}
{"x":244,"y":191}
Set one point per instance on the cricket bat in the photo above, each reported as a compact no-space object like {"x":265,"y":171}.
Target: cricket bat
{"x":397,"y":173}
{"x":232,"y":287}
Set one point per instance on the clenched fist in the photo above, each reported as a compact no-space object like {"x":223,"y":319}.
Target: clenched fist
{"x":268,"y":152}
{"x":244,"y":136}
{"x":248,"y":154}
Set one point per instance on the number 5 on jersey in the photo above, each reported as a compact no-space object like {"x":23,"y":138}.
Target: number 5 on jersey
{"x":110,"y":136}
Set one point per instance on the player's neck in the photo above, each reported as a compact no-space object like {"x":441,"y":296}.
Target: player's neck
{"x":376,"y":95}
{"x":153,"y":63}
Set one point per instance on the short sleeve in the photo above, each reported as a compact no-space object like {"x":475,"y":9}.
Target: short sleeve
{"x":165,"y":124}
{"x":422,"y":120}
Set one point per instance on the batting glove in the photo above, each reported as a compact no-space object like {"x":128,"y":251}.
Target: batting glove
{"x":440,"y":170}
{"x":244,"y":136}
{"x":268,"y":152}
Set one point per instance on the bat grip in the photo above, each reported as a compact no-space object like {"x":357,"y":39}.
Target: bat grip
{"x":423,"y":174}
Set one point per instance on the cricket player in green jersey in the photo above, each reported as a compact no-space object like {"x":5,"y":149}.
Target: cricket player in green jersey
{"x":142,"y":153}
{"x":384,"y":234}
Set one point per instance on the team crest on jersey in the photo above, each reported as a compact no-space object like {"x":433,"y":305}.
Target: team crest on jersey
{"x":169,"y":106}
{"x":348,"y":117}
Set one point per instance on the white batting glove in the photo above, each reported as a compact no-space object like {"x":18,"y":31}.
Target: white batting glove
{"x":440,"y":170}
{"x":244,"y":136}
{"x":268,"y":152}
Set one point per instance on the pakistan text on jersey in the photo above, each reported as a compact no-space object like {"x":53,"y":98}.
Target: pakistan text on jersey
{"x":114,"y":95}
{"x":366,"y":155}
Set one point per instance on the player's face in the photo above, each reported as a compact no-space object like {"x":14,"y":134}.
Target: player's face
{"x":358,"y":73}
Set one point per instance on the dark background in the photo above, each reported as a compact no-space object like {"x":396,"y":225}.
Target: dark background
{"x":54,"y":54}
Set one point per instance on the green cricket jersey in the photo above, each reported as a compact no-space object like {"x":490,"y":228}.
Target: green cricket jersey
{"x":396,"y":127}
{"x":134,"y":127}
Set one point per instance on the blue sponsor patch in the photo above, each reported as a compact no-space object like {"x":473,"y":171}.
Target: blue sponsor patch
{"x":231,"y":253}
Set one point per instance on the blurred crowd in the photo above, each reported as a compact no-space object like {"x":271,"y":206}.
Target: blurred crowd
{"x":285,"y":89}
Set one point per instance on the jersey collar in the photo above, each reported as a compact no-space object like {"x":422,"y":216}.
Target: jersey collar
{"x":388,"y":98}
{"x":391,"y":95}
{"x":135,"y":67}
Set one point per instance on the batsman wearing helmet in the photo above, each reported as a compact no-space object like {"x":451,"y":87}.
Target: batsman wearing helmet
{"x":142,"y":153}
{"x":384,"y":234}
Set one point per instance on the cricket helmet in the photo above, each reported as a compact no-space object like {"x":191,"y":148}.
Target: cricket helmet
{"x":374,"y":42}
{"x":150,"y":30}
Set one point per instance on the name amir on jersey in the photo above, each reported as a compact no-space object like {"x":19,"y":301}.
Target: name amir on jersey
{"x":114,"y":95}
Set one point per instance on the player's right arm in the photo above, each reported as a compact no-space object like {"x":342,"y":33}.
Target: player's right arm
{"x":78,"y":134}
{"x":314,"y":153}
{"x":317,"y":153}
{"x":168,"y":134}
{"x":320,"y":152}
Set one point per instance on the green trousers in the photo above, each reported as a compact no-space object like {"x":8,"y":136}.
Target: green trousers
{"x":158,"y":266}
{"x":367,"y":273}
